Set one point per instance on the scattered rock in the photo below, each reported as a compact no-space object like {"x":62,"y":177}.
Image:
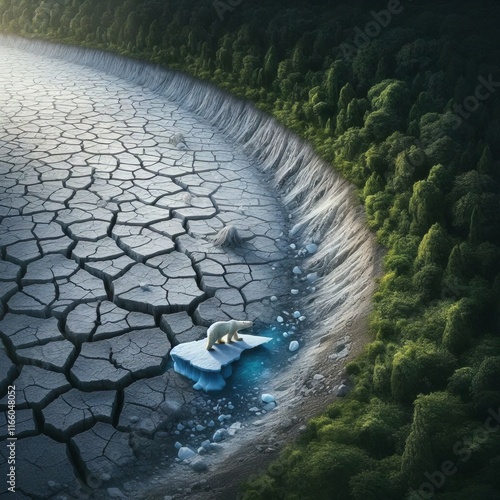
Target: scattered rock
{"x":342,"y":390}
{"x":312,"y":248}
{"x":199,"y":465}
{"x":220,"y":435}
{"x":185,"y":453}
{"x":267,"y":398}
{"x":312,"y":277}
{"x":294,"y":345}
{"x":297,"y":271}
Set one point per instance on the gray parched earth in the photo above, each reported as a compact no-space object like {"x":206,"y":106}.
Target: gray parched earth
{"x":107,"y":222}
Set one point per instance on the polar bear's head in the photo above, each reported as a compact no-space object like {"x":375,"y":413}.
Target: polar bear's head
{"x":246,"y":324}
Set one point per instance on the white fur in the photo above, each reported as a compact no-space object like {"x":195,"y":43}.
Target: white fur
{"x":222,"y":329}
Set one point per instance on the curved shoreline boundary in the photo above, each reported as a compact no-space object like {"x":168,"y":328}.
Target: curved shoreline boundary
{"x":324,"y":205}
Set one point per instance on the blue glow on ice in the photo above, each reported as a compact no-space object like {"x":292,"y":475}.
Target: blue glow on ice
{"x":210,"y":369}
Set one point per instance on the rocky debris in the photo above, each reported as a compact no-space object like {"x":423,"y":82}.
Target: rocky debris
{"x":267,"y":398}
{"x":185,"y":453}
{"x":199,"y":465}
{"x":294,"y":345}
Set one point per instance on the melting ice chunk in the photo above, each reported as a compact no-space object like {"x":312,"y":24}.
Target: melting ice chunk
{"x":209,"y":369}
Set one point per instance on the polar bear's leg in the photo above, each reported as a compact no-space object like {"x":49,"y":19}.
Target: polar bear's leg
{"x":210,"y":345}
{"x":220,"y":341}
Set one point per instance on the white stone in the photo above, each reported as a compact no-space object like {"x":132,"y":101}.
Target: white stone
{"x":294,"y":345}
{"x":296,"y":314}
{"x":312,"y":277}
{"x":267,"y":398}
{"x":312,"y":248}
{"x":294,"y":291}
{"x":280,"y":319}
{"x":186,"y":453}
{"x":220,"y":435}
{"x":297,"y":270}
{"x":274,"y":298}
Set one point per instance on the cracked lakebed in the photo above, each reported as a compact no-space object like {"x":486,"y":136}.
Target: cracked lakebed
{"x":106,"y":237}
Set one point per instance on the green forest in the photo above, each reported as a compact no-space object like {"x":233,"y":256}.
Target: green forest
{"x":402,"y":98}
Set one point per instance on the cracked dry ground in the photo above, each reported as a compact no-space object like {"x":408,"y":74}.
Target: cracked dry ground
{"x":107,"y":262}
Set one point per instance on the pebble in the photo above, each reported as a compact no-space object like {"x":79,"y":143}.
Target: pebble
{"x":258,"y":423}
{"x":280,"y":319}
{"x":297,"y":271}
{"x":220,"y":435}
{"x":200,"y":428}
{"x":302,"y":318}
{"x":312,"y":277}
{"x":312,"y":248}
{"x":294,"y":345}
{"x":51,"y":484}
{"x":178,"y":445}
{"x":186,"y":453}
{"x":180,"y":427}
{"x":267,"y":398}
{"x":293,"y":246}
{"x":269,"y":407}
{"x":199,"y":465}
{"x":296,"y":314}
{"x":274,"y":298}
{"x":105,"y":477}
{"x":206,"y":444}
{"x":134,"y":419}
{"x":318,"y":377}
{"x":294,"y":291}
{"x":144,"y":286}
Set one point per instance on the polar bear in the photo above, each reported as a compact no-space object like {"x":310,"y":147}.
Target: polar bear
{"x":222,"y":328}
